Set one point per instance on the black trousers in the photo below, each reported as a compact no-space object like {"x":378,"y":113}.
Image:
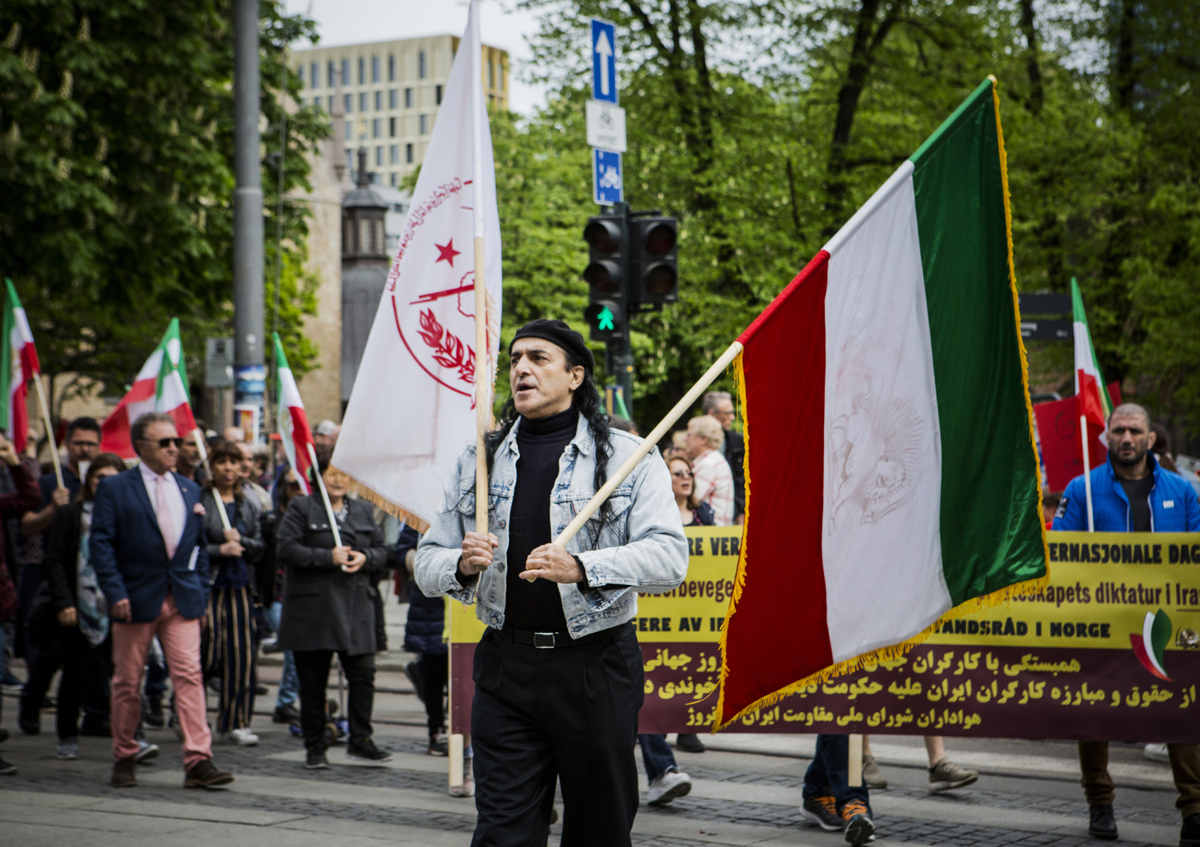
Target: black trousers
{"x":566,"y":714}
{"x":84,"y":669}
{"x":312,"y":669}
{"x":434,"y":669}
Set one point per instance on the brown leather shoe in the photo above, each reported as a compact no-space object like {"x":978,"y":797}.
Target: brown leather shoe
{"x":204,"y":774}
{"x":123,"y":773}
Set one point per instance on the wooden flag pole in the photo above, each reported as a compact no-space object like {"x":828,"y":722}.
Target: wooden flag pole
{"x":198,"y":437}
{"x":337,"y":535}
{"x":854,"y":763}
{"x":1087,"y":472}
{"x":483,"y":413}
{"x":656,"y":434}
{"x":37,"y":386}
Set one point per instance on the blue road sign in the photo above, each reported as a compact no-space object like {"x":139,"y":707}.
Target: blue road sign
{"x":604,"y":60}
{"x":606,"y":177}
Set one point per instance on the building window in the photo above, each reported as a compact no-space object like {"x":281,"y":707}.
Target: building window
{"x":394,"y":154}
{"x":408,"y":98}
{"x":421,"y":64}
{"x":391,"y":127}
{"x":300,"y":73}
{"x":378,"y":101}
{"x":350,"y":159}
{"x":331,"y":72}
{"x":374,"y":69}
{"x":314,"y":75}
{"x":391,"y":68}
{"x":317,"y":102}
{"x":393,"y":179}
{"x":363,"y":99}
{"x":437,"y":94}
{"x":377,"y":128}
{"x":362,"y":70}
{"x":378,"y":155}
{"x":491,"y":73}
{"x":349,"y":131}
{"x":408,"y":153}
{"x":330,"y":107}
{"x":422,"y":124}
{"x":393,"y":98}
{"x":348,"y":103}
{"x":345,"y":71}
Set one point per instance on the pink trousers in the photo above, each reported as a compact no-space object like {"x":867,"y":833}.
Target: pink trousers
{"x":180,"y":641}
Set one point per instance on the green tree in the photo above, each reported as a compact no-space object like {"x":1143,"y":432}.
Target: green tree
{"x":116,"y":173}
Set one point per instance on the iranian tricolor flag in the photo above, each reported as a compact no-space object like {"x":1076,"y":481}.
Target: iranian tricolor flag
{"x":160,"y":386}
{"x":1094,"y":402}
{"x":890,"y":468}
{"x":18,"y":365}
{"x":290,"y":421}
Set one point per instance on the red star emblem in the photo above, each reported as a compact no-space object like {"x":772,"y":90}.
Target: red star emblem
{"x":446,"y":252}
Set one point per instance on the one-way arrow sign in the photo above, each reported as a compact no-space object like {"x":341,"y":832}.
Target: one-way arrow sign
{"x":604,"y":60}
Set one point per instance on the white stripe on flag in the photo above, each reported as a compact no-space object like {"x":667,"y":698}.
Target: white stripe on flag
{"x":882,"y":439}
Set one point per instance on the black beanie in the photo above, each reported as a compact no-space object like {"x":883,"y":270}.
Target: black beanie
{"x":562,"y":335}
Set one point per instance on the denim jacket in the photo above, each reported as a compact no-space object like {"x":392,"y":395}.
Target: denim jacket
{"x":641,"y":547}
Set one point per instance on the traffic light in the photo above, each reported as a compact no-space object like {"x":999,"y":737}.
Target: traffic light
{"x":655,"y":279}
{"x":607,"y":237}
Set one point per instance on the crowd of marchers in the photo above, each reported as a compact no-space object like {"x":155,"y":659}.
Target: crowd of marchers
{"x":150,"y":589}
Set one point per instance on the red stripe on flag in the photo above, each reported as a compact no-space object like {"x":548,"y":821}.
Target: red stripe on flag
{"x":1090,"y":404}
{"x":29,"y":361}
{"x":19,"y":418}
{"x":783,"y":368}
{"x":301,"y":438}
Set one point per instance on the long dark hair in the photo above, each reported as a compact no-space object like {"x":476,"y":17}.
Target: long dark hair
{"x":102,"y":461}
{"x":586,"y":401}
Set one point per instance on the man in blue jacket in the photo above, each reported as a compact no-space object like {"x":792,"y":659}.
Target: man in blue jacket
{"x":1131,"y":492}
{"x":147,"y":547}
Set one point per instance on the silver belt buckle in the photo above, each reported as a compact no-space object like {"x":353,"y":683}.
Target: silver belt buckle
{"x":545,"y":640}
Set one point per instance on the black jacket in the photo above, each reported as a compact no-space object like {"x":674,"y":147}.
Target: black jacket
{"x":61,"y":564}
{"x":325,"y":608}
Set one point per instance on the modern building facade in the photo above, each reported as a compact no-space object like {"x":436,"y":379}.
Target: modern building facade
{"x":389,"y":93}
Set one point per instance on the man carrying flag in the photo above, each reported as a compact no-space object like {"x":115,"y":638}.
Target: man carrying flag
{"x":160,"y":386}
{"x":558,"y":680}
{"x":1133,"y":493}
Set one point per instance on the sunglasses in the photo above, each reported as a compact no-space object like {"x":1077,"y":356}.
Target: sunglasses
{"x":164,"y":443}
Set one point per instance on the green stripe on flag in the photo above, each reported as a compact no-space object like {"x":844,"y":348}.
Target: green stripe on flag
{"x":990,"y":521}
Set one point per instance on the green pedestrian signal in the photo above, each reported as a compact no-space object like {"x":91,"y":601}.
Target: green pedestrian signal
{"x":604,"y":320}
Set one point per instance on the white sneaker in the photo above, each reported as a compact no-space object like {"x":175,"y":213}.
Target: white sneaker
{"x":146,"y":751}
{"x":243,"y":737}
{"x":667,"y":787}
{"x":1156,"y":752}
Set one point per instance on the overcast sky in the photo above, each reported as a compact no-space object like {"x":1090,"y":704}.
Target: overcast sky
{"x":354,"y":21}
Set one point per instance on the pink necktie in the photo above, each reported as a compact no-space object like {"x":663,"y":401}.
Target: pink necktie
{"x":166,"y":515}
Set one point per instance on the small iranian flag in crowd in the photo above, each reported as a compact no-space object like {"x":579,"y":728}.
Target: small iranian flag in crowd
{"x":160,"y":386}
{"x":1094,"y":402}
{"x":291,"y":421}
{"x":18,"y":365}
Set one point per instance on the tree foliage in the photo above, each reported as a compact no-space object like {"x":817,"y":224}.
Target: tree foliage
{"x":763,"y":125}
{"x":116,"y":177}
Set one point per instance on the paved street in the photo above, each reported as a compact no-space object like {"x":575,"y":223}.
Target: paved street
{"x":746,"y":791}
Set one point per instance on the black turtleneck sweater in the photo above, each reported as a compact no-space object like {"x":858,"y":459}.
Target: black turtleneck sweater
{"x":535,"y":606}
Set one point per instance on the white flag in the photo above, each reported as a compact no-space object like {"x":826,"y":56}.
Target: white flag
{"x":411,"y":410}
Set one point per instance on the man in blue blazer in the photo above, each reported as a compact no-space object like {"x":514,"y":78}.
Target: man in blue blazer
{"x":148,"y":551}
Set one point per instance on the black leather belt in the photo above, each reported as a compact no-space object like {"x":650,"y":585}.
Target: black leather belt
{"x":556,"y":640}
